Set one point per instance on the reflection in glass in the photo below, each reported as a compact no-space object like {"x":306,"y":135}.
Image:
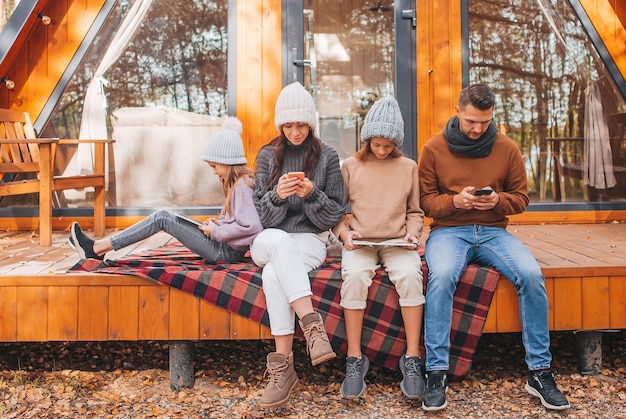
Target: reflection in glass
{"x":165,"y":96}
{"x":541,"y":64}
{"x":351,"y":48}
{"x":7,"y":7}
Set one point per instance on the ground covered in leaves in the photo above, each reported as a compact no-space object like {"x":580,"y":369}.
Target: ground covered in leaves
{"x":131,"y":380}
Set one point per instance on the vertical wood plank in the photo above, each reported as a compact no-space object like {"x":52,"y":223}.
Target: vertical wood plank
{"x":184,"y":316}
{"x":62,"y":313}
{"x":243,"y":328}
{"x":567,"y":304}
{"x":32,"y":313}
{"x":617,"y":292}
{"x":123,"y":313}
{"x":93,"y":309}
{"x":594,"y":303}
{"x":8,"y":314}
{"x":214,"y":322}
{"x":508,"y":307}
{"x":154,"y":305}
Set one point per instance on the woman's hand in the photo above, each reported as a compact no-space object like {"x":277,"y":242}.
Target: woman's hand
{"x":288,"y":186}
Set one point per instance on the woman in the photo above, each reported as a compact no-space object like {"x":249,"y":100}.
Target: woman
{"x":225,"y":239}
{"x":297,"y":213}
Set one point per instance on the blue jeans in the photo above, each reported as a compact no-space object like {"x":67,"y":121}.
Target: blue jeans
{"x":185,"y":232}
{"x":448,"y":252}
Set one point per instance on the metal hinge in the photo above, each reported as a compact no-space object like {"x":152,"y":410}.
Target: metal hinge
{"x":410,"y":14}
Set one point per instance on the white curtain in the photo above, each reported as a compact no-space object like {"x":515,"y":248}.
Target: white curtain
{"x":93,"y":121}
{"x":597,"y":158}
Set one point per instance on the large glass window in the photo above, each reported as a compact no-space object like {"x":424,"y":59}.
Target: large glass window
{"x":162,"y":68}
{"x":555,"y":97}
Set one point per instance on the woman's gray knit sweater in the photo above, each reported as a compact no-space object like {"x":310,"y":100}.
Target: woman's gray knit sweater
{"x":318,"y":211}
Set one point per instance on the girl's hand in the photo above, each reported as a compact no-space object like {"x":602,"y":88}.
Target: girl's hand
{"x":346,"y":238}
{"x":207,"y":227}
{"x":287,"y":186}
{"x":412,"y":241}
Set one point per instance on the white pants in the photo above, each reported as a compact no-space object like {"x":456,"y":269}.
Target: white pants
{"x":286,"y":259}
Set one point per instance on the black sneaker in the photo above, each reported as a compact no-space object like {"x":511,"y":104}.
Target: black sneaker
{"x":435,"y":394}
{"x":82,"y":243}
{"x":541,"y":384}
{"x":354,"y":385}
{"x":412,"y":384}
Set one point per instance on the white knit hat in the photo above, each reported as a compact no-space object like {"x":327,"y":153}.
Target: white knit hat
{"x":295,"y":104}
{"x":227,"y":146}
{"x":384,"y":120}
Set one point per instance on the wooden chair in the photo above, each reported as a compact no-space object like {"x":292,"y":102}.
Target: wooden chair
{"x":27,"y":165}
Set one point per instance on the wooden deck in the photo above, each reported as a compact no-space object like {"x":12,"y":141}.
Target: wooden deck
{"x":584,"y":266}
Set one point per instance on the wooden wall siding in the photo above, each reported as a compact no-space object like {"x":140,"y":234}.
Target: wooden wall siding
{"x":609,"y":27}
{"x":116,"y":308}
{"x":575,"y":303}
{"x":46,"y":54}
{"x":259,"y":70}
{"x":439,"y":64}
{"x":98,"y":308}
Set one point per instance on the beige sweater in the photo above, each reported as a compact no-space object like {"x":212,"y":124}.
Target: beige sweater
{"x":383,"y":197}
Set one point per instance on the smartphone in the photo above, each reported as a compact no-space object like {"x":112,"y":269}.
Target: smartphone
{"x":299,"y":175}
{"x":486,"y":191}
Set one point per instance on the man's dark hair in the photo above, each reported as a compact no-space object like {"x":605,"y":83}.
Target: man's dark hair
{"x":478,"y":95}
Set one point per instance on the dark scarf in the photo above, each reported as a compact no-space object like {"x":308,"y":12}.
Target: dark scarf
{"x":461,"y":143}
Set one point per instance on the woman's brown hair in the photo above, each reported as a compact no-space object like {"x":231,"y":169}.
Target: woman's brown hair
{"x":311,"y":147}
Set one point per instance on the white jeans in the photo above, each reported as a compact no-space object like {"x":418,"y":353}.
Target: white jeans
{"x":286,"y":259}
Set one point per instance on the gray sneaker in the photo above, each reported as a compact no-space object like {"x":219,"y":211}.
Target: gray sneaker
{"x":354,"y":385}
{"x":412,"y":384}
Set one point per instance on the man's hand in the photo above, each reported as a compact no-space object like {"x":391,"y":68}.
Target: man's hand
{"x":466,"y":200}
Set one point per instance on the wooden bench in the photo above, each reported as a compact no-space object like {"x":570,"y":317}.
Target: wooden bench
{"x":27,"y":165}
{"x":583,"y":264}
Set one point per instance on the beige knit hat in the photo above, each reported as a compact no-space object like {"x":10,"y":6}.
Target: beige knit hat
{"x":226,"y":147}
{"x":295,"y":104}
{"x":384,"y":120}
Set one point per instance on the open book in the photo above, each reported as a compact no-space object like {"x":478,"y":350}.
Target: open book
{"x":189,"y":220}
{"x":390,"y":242}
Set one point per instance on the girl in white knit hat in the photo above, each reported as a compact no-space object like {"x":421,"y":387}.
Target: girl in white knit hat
{"x":383,"y":192}
{"x":225,"y":239}
{"x":297,"y":211}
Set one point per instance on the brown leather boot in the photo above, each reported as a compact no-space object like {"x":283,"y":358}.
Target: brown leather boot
{"x":281,"y":380}
{"x":317,"y":343}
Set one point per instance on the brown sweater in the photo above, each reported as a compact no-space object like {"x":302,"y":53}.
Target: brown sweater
{"x":443,"y":174}
{"x":383,"y":197}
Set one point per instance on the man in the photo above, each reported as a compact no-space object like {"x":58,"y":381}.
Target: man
{"x":471,"y":178}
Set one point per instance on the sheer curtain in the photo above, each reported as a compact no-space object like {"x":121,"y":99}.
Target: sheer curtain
{"x":93,"y":122}
{"x":598,"y":159}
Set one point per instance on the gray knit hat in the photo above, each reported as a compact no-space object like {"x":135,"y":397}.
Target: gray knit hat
{"x":227,"y":146}
{"x":384,"y":120}
{"x":295,"y":104}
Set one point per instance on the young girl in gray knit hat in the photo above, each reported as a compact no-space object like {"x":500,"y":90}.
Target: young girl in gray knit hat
{"x":383,"y":192}
{"x":225,"y":239}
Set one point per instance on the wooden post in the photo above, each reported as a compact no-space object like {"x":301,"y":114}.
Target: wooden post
{"x":590,"y":352}
{"x":181,"y":364}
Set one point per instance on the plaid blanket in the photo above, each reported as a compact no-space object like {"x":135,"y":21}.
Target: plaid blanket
{"x":237,"y":288}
